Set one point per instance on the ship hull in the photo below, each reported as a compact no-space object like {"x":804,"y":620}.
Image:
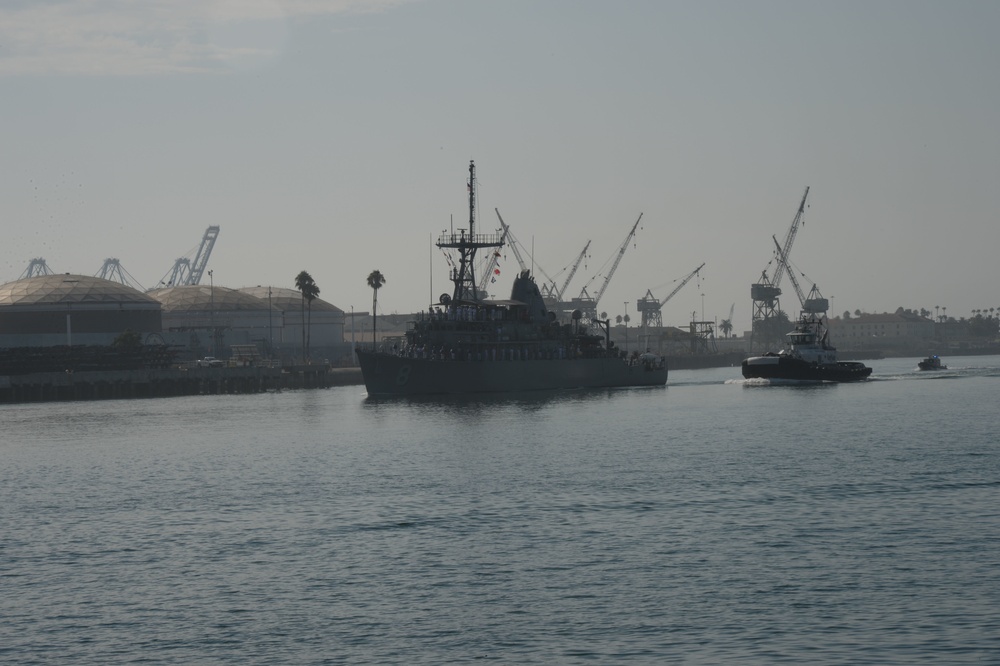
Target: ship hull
{"x":390,"y":374}
{"x":788,"y":367}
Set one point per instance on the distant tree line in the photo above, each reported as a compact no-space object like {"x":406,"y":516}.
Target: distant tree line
{"x":983,"y":322}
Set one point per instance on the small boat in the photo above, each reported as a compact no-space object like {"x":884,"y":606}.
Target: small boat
{"x":932,"y":363}
{"x":466,"y":343}
{"x":807,"y":357}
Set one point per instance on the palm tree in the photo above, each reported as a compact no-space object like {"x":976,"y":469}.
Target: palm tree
{"x":309,"y":290}
{"x":726,"y":327}
{"x":375,"y":281}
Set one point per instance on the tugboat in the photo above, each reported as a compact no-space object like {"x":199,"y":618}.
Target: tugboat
{"x":932,"y":363}
{"x":808,"y":356}
{"x":468,"y":344}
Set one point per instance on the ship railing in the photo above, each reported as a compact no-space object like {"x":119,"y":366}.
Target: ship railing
{"x":459,"y":239}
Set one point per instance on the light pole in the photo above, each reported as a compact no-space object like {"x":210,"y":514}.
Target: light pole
{"x":211,"y":312}
{"x":270,"y":330}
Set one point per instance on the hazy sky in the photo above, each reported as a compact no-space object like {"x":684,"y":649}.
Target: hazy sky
{"x":335,"y":137}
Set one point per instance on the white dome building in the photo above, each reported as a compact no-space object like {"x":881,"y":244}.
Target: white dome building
{"x":248,"y":316}
{"x":325,"y":320}
{"x":66,"y":309}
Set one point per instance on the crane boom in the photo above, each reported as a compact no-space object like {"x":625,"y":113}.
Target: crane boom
{"x":513,"y":242}
{"x":683,"y":282}
{"x":572,"y":271}
{"x":814,"y":303}
{"x":786,"y":249}
{"x":614,"y":266}
{"x":783,"y":263}
{"x":494,"y":259}
{"x":204,"y":251}
{"x":184,"y":271}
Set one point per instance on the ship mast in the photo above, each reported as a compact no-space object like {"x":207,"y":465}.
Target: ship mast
{"x":463,"y":275}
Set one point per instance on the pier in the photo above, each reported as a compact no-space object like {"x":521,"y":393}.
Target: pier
{"x":166,"y":382}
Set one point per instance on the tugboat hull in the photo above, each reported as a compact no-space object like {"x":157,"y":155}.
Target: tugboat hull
{"x":789,"y":367}
{"x":389,"y":374}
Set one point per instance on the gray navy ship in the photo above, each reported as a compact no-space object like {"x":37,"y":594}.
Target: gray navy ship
{"x":466,"y":343}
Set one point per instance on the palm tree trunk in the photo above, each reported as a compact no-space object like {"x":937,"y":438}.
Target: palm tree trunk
{"x":309,"y":321}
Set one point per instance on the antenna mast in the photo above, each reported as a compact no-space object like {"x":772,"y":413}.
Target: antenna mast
{"x":466,"y":289}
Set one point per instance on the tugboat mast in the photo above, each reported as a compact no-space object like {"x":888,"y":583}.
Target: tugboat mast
{"x":467,"y":243}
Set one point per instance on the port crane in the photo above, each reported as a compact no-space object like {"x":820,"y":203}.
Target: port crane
{"x":813,"y":303}
{"x":512,"y":242}
{"x":36,"y":267}
{"x":766,"y":291}
{"x":185,"y":272}
{"x":587,"y":304}
{"x":554,"y":293}
{"x":650,"y":306}
{"x":114,"y":271}
{"x":490,"y":269}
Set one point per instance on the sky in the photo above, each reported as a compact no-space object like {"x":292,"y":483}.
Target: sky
{"x":335,"y":137}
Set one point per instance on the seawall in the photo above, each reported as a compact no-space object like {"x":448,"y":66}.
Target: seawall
{"x":123,"y":384}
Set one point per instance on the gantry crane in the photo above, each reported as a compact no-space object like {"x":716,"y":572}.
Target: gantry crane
{"x":650,"y":307}
{"x":36,"y":267}
{"x":114,"y":271}
{"x":184,"y":271}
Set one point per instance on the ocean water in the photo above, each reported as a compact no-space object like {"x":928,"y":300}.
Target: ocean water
{"x":711,"y":521}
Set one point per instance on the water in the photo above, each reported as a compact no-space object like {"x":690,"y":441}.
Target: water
{"x":711,"y":521}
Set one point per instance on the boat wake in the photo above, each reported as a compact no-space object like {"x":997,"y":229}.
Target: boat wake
{"x":761,"y":381}
{"x":950,"y":373}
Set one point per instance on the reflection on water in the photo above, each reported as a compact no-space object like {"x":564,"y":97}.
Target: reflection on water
{"x":527,"y":400}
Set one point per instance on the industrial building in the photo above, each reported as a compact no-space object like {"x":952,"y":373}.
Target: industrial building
{"x":325,"y":321}
{"x":44,"y":309}
{"x":209,"y":320}
{"x":65,"y":309}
